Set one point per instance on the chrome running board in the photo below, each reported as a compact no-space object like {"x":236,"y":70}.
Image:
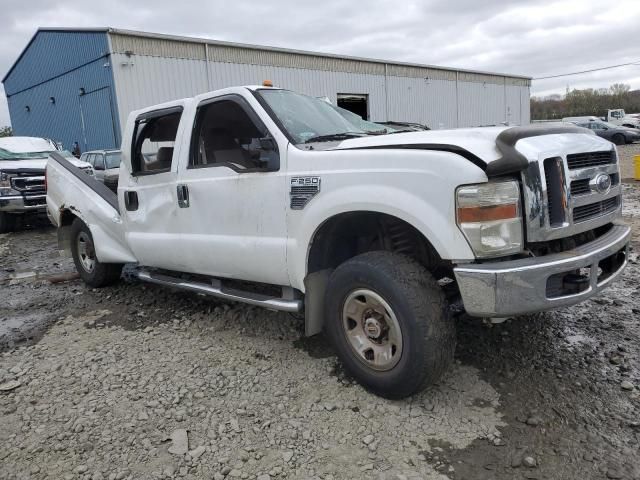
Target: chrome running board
{"x":215,"y":289}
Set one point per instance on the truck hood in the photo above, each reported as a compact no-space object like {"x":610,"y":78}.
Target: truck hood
{"x":481,"y":142}
{"x":34,"y":164}
{"x":492,"y":149}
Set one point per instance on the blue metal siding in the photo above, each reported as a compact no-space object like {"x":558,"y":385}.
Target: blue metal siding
{"x":90,"y":119}
{"x":53,"y":53}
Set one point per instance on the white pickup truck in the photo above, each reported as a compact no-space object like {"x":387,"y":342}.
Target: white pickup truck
{"x":619,"y":117}
{"x":22,"y":188}
{"x":269,"y":197}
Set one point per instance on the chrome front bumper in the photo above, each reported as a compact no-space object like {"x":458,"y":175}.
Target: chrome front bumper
{"x":517,"y":287}
{"x":20,"y":204}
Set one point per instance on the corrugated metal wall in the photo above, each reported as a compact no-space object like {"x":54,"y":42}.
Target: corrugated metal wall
{"x":146,"y":70}
{"x":155,"y":70}
{"x":43,"y":90}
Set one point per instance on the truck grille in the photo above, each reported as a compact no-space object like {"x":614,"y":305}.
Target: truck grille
{"x":582,"y":187}
{"x":590,"y":159}
{"x":562,"y":197}
{"x":585,"y":212}
{"x":28,"y":184}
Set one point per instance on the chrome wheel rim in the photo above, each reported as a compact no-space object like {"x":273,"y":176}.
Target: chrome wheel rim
{"x":372,"y":330}
{"x":86,"y":254}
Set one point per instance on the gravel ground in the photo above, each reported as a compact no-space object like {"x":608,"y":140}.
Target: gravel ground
{"x":137,"y":382}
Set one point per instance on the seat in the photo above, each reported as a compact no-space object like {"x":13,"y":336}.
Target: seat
{"x":162,"y":160}
{"x":221,"y":147}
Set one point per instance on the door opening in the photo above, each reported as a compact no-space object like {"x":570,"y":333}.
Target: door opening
{"x":357,"y":103}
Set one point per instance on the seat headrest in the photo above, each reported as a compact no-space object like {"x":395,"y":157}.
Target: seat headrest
{"x":163,"y":157}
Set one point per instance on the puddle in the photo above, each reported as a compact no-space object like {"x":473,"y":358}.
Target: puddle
{"x":20,"y":328}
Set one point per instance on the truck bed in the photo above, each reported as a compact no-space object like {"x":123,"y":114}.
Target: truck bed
{"x":72,"y":193}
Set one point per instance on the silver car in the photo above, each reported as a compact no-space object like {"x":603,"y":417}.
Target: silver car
{"x":106,"y":165}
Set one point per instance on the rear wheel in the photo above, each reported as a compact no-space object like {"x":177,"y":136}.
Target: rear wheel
{"x":7,"y":222}
{"x":619,"y":139}
{"x":91,"y":270}
{"x":388,"y":321}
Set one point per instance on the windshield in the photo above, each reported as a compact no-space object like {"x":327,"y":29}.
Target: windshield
{"x":7,"y":155}
{"x":358,"y":121}
{"x":305,"y":117}
{"x":113,"y":160}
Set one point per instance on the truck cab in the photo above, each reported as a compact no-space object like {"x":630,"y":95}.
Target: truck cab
{"x":270,"y":197}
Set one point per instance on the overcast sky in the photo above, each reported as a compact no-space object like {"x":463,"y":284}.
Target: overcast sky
{"x":526,"y":37}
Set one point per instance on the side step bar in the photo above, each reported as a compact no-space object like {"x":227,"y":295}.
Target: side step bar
{"x":215,"y":289}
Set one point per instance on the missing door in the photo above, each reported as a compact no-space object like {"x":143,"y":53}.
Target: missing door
{"x":357,"y":103}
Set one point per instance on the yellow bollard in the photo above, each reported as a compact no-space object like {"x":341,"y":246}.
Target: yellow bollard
{"x":636,"y":162}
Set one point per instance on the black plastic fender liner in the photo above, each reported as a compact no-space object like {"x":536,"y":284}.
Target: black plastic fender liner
{"x":98,"y":187}
{"x":513,"y":161}
{"x":438,"y":147}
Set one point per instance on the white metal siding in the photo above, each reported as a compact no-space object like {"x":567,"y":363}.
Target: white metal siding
{"x":142,"y":81}
{"x":430,"y":102}
{"x":435,"y":99}
{"x":481,"y":104}
{"x":318,"y":83}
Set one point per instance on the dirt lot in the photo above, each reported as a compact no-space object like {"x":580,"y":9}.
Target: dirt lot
{"x":135,"y":381}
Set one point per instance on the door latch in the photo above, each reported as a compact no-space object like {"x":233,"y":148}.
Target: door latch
{"x":131,"y":200}
{"x":183,"y":196}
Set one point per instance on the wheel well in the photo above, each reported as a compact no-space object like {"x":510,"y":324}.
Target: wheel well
{"x":349,"y":234}
{"x":66,"y":218}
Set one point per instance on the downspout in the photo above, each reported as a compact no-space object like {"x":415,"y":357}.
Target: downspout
{"x":457,"y":102}
{"x":386,"y":93}
{"x":206,"y":61}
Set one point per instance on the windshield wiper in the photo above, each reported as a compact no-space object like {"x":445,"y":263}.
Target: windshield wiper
{"x":335,"y":136}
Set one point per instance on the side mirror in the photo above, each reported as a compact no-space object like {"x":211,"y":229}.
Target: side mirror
{"x":98,"y":167}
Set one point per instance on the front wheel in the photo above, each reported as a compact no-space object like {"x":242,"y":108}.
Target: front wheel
{"x":92,"y":271}
{"x":387,"y":318}
{"x":619,"y":139}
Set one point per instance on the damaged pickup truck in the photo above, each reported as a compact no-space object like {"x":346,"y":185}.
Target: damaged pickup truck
{"x":265,"y":196}
{"x":22,"y":185}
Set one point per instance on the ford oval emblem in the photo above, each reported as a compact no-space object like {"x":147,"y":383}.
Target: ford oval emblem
{"x":603,"y":183}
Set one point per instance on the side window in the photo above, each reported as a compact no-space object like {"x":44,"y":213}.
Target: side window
{"x":99,"y":162}
{"x":229,"y":133}
{"x":155,"y":136}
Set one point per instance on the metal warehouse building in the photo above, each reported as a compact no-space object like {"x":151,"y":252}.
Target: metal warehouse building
{"x":80,"y":84}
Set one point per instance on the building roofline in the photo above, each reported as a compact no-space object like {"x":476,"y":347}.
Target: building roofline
{"x":50,"y":29}
{"x":208,"y":41}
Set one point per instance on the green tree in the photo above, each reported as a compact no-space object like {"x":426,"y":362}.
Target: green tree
{"x":6,"y":132}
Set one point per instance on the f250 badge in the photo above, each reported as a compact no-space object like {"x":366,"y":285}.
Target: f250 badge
{"x":303,"y":189}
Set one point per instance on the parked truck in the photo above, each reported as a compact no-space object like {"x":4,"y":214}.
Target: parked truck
{"x":619,"y":117}
{"x":22,"y":187}
{"x":269,"y":197}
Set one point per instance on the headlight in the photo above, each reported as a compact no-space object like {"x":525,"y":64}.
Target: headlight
{"x":489,"y":216}
{"x":5,"y":184}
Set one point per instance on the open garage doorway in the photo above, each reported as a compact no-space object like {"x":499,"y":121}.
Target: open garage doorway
{"x":357,"y":103}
